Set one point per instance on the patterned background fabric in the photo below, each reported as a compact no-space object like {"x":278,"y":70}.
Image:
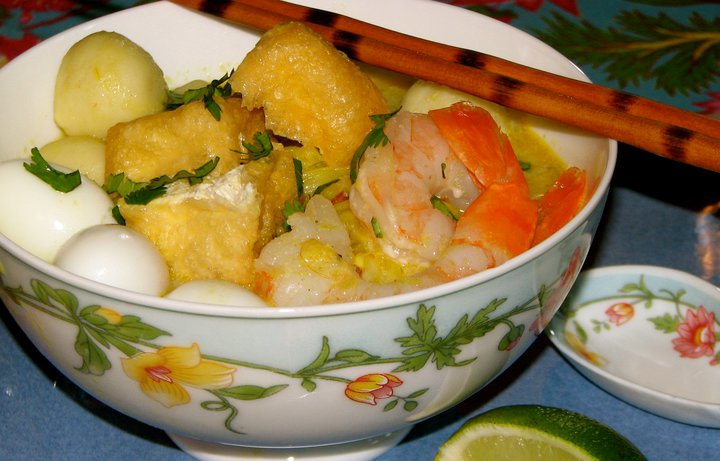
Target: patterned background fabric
{"x":667,"y":50}
{"x":659,"y":212}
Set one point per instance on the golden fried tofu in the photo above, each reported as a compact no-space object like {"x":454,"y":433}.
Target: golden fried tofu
{"x":216,"y":229}
{"x":182,"y":139}
{"x":274,"y":177}
{"x":204,"y":231}
{"x":310,"y":92}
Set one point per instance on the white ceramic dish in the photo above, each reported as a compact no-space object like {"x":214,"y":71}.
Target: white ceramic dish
{"x":648,"y":335}
{"x":279,"y":375}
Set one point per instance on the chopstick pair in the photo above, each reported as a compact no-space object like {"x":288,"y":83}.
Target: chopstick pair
{"x":657,"y":128}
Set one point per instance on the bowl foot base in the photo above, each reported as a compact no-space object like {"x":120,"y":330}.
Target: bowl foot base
{"x":360,"y":450}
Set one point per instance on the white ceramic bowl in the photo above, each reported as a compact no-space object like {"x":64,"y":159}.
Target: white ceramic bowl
{"x":647,"y":335}
{"x":261,"y":377}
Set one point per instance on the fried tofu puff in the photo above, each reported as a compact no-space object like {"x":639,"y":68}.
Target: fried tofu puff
{"x":214,"y":230}
{"x":204,"y":232}
{"x":211,"y":230}
{"x":310,"y":92}
{"x":182,"y":139}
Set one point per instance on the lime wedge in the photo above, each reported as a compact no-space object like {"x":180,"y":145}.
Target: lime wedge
{"x":533,"y":432}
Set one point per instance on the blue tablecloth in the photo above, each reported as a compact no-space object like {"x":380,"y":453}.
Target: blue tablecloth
{"x":658,"y":212}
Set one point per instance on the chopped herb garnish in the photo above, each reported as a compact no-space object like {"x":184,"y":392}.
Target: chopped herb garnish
{"x":207,"y":94}
{"x":298,"y":204}
{"x":376,"y":137}
{"x":322,"y":187}
{"x":525,"y":166}
{"x":445,"y":208}
{"x":118,"y":216}
{"x":298,"y":176}
{"x":376,"y":227}
{"x":142,"y":193}
{"x":62,"y":182}
{"x":262,"y":147}
{"x":291,"y":207}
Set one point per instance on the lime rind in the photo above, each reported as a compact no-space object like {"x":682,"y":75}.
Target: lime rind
{"x":536,"y":432}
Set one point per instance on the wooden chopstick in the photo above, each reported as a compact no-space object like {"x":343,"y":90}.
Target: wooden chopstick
{"x":657,"y":128}
{"x":596,"y":94}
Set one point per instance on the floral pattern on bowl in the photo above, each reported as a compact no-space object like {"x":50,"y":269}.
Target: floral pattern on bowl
{"x":164,"y":373}
{"x":649,"y":335}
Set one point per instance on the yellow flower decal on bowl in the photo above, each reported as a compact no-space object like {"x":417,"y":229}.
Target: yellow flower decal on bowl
{"x":579,"y":347}
{"x":111,"y":316}
{"x":163,"y":374}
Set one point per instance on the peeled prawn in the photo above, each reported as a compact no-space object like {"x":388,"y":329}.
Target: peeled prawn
{"x":459,"y":155}
{"x":396,"y":182}
{"x":456,"y":156}
{"x":476,"y":139}
{"x":312,"y":264}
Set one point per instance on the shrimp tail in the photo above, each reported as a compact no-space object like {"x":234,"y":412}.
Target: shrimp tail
{"x":478,"y":142}
{"x":502,"y":220}
{"x":561,"y":202}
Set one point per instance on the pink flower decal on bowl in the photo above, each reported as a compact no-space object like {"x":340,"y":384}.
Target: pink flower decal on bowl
{"x":620,"y":313}
{"x":369,"y":388}
{"x":163,"y":374}
{"x":696,"y":334}
{"x":548,"y":309}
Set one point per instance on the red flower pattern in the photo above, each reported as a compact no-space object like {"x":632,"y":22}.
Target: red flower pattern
{"x":559,"y":293}
{"x":711,"y":106}
{"x":570,"y":6}
{"x":696,"y":334}
{"x":369,"y":388}
{"x":11,"y":47}
{"x":620,"y":313}
{"x":31,"y":6}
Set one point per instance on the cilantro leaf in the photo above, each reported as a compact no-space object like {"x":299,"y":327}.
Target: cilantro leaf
{"x":377,"y":230}
{"x":291,"y":207}
{"x":119,"y":218}
{"x":262,"y":147}
{"x":142,"y":193}
{"x":376,"y":137}
{"x":445,"y":208}
{"x":322,"y":187}
{"x":298,"y":166}
{"x":62,"y":182}
{"x":207,"y":94}
{"x":299,"y":204}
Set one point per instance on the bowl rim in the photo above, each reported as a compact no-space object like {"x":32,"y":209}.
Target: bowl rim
{"x":554,"y":329}
{"x":413,"y":297}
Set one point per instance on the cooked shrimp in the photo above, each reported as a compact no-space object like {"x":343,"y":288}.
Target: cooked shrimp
{"x":476,"y":139}
{"x":498,"y":225}
{"x":559,"y":204}
{"x":457,"y":154}
{"x":427,"y":156}
{"x":312,"y":264}
{"x":395,"y":185}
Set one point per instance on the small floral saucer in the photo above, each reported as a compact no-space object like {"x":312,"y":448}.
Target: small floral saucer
{"x":648,"y":335}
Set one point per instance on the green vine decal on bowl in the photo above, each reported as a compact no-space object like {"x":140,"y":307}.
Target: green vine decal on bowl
{"x":165,"y":372}
{"x":693,"y":325}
